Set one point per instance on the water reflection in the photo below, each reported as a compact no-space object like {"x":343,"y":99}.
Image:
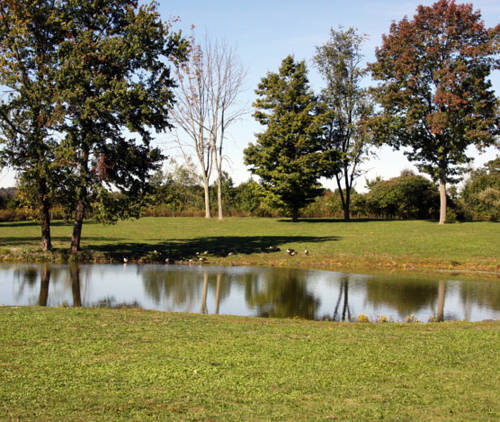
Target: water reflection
{"x":344,"y":312}
{"x":248,"y":291}
{"x":283,"y":293}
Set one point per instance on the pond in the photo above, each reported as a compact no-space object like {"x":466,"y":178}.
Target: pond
{"x":266,"y":292}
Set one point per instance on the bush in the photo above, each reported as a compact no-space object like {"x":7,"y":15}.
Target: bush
{"x":407,"y":196}
{"x":481,"y":193}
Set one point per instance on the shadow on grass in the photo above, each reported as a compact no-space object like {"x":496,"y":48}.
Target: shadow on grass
{"x":36,"y":240}
{"x":215,"y":246}
{"x":58,"y":223}
{"x":335,"y":220}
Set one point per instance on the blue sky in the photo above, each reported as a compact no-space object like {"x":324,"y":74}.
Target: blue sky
{"x":264,"y":32}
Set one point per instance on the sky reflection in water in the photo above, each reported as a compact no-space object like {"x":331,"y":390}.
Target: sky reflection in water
{"x":249,"y":291}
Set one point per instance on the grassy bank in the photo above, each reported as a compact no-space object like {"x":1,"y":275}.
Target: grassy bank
{"x":411,"y":245}
{"x":89,"y":364}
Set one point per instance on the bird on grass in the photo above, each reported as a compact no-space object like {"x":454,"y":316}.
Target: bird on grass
{"x":291,"y":252}
{"x":306,"y":251}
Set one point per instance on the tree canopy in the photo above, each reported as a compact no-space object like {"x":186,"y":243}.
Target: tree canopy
{"x":339,"y":62}
{"x":91,"y":81}
{"x":288,"y":155}
{"x":435,"y":94}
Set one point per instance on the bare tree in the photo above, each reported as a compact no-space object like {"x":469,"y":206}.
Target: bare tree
{"x":209,"y":84}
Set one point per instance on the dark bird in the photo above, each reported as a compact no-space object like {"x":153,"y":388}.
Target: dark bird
{"x":291,"y":252}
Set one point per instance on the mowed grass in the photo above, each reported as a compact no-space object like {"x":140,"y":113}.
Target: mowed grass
{"x":95,"y":364}
{"x":332,"y":244}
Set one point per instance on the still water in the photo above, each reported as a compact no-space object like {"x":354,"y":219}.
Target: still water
{"x":249,"y":291}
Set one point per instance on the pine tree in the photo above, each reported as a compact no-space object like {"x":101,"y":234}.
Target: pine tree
{"x":288,"y":155}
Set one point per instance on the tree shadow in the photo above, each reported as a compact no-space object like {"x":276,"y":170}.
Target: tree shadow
{"x":30,"y":240}
{"x":36,"y":240}
{"x":215,"y":246}
{"x":37,"y":224}
{"x":336,"y":220}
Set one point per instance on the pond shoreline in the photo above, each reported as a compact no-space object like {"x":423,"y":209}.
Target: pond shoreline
{"x":363,"y":264}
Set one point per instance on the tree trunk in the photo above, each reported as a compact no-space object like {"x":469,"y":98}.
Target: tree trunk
{"x":44,"y":285}
{"x":347,"y":214}
{"x":45,"y":215}
{"x":295,"y":215}
{"x":77,"y":227}
{"x":219,"y":196}
{"x":442,"y":198}
{"x":207,"y":198}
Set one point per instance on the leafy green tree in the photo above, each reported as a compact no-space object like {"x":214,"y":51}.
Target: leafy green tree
{"x":339,"y":62}
{"x":287,"y":155}
{"x":117,"y":90}
{"x":435,"y":92}
{"x":30,"y":33}
{"x":406,"y":196}
{"x":481,"y":192}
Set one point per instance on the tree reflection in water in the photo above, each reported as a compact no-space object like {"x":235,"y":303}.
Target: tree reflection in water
{"x":185,"y":289}
{"x":281,"y":294}
{"x":343,"y":293}
{"x":44,"y":285}
{"x":256,"y":291}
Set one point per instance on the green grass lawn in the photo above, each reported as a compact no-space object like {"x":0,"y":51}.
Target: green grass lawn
{"x":418,"y":245}
{"x":97,"y":364}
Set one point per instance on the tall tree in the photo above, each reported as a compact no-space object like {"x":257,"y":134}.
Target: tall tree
{"x":209,"y":85}
{"x":435,"y":92}
{"x":339,"y":62}
{"x":117,"y":89}
{"x":288,"y":155}
{"x":30,"y":33}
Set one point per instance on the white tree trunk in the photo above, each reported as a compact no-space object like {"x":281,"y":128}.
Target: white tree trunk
{"x":442,"y":198}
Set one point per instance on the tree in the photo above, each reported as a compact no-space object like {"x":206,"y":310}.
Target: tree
{"x":30,"y":33}
{"x":435,"y":93}
{"x":288,"y":155}
{"x":406,"y":196}
{"x":339,"y":62}
{"x":116,"y":88}
{"x":481,"y":192}
{"x":209,"y":85}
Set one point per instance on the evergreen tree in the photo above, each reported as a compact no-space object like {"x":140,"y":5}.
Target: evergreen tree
{"x":288,"y":155}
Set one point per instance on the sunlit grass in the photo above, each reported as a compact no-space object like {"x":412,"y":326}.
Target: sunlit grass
{"x":332,"y":244}
{"x":96,"y":364}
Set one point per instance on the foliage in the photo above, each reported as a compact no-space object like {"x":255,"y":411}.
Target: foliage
{"x":339,"y":62}
{"x":287,"y":156}
{"x":406,"y":196}
{"x":117,"y":89}
{"x":481,"y":192}
{"x":97,"y":73}
{"x":131,"y":364}
{"x":435,"y":92}
{"x":30,"y":33}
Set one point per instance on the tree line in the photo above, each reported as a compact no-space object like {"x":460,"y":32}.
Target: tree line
{"x":177,"y":193}
{"x":87,"y":84}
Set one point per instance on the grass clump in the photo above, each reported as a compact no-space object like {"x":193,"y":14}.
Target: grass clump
{"x":96,"y":364}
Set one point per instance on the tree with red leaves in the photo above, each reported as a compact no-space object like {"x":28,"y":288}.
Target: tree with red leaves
{"x":436,"y":97}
